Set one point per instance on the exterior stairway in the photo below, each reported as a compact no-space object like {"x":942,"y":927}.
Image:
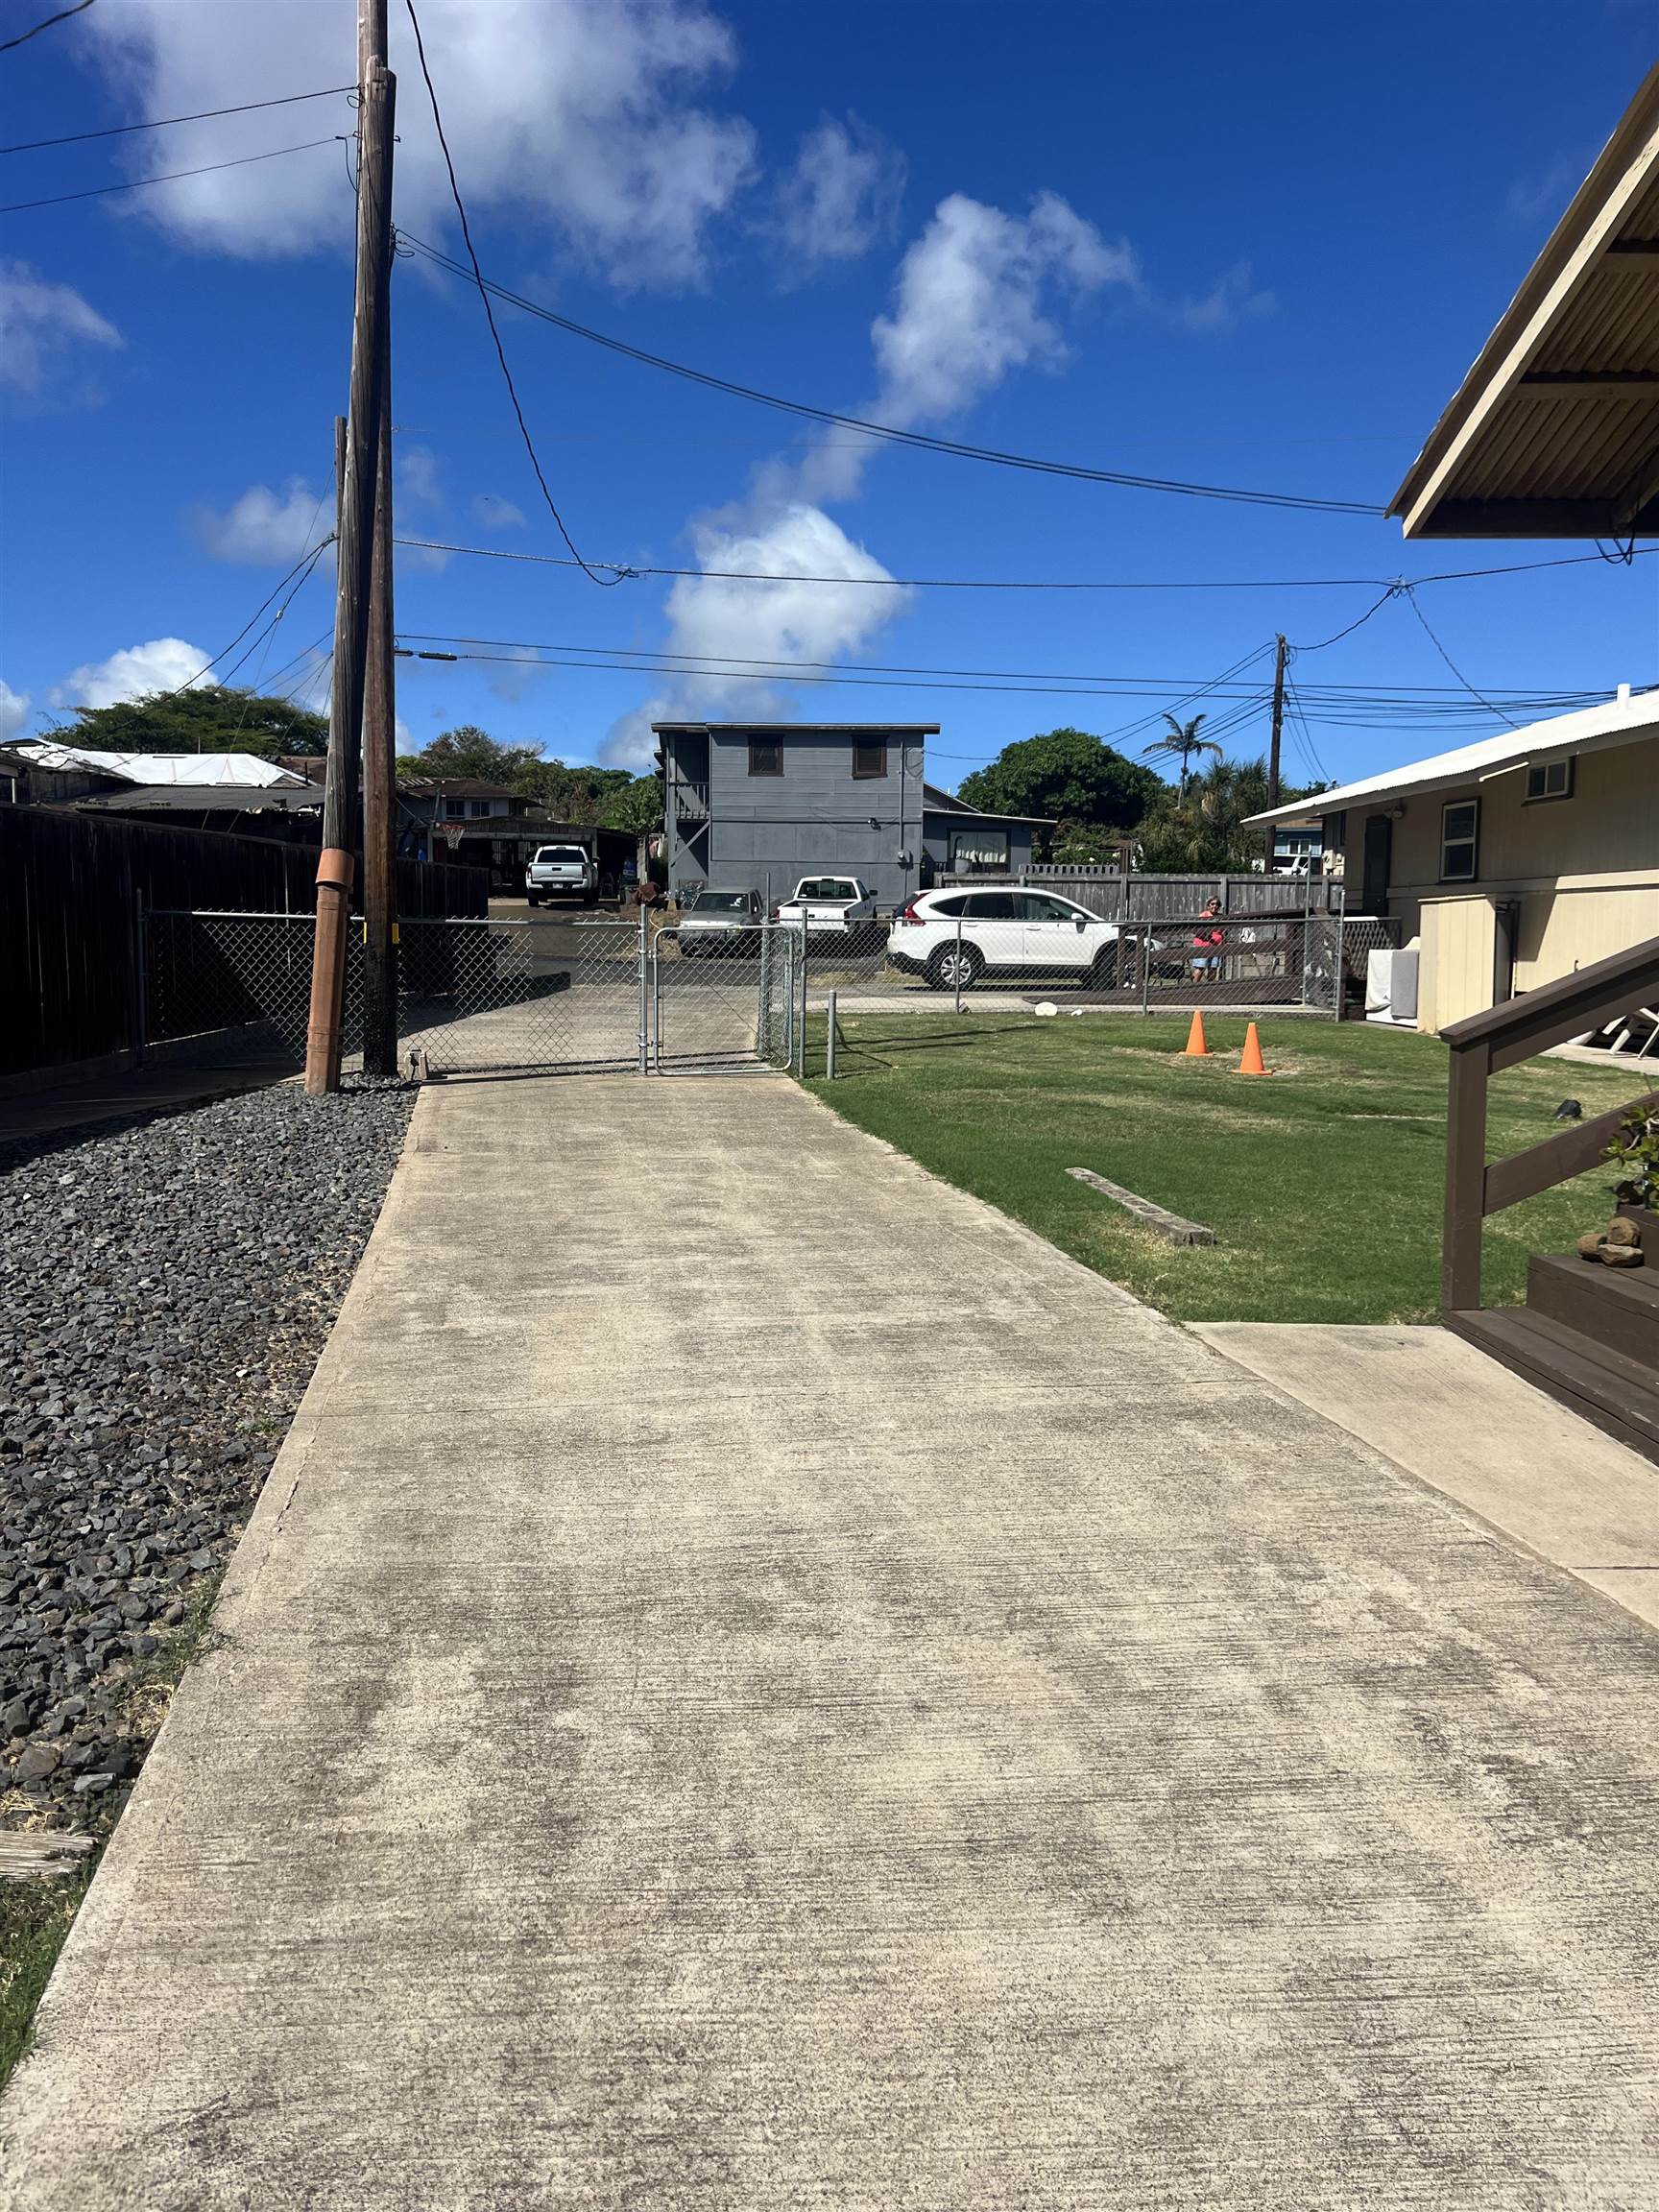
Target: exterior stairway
{"x":1588,"y":1335}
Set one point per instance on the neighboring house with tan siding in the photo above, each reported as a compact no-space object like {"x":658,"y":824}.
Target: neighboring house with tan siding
{"x":1511,"y":861}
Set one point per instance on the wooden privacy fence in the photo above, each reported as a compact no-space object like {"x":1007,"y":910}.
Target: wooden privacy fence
{"x":1144,"y":898}
{"x":71,"y":888}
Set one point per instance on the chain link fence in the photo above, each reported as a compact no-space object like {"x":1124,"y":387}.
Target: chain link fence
{"x":562,"y":993}
{"x":231,"y":977}
{"x":1011,"y":949}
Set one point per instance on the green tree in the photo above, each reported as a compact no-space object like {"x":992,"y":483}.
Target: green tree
{"x":1070,"y":777}
{"x":1203,"y":833}
{"x":1181,"y":739}
{"x":468,"y":750}
{"x":205,"y":718}
{"x":638,"y":808}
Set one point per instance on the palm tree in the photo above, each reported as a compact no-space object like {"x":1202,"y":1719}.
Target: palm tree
{"x":1183,"y":738}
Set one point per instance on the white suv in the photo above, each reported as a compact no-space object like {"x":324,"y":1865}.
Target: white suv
{"x":955,"y":937}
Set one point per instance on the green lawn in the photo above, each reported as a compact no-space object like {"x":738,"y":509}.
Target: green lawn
{"x":1323,"y":1182}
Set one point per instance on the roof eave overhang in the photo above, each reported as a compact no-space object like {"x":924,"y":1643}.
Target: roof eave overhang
{"x":1426,"y":501}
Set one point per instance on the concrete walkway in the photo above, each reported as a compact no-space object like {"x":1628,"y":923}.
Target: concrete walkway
{"x":1459,"y":1421}
{"x":757,"y":1684}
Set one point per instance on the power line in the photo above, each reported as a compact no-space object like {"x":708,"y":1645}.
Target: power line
{"x":166,"y":122}
{"x":764,"y":676}
{"x":173,"y":177}
{"x":305,"y":560}
{"x":606,"y":582}
{"x":623,"y":568}
{"x":1410,"y":597}
{"x":62,"y":16}
{"x":957,"y":448}
{"x":1392,"y":591}
{"x":1419,"y":698}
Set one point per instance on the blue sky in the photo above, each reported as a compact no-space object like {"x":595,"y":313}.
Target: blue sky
{"x":1252,"y":246}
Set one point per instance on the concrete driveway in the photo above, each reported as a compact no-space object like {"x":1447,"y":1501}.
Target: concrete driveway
{"x":757,"y":1684}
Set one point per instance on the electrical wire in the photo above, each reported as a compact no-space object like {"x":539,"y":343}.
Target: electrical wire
{"x":166,"y":122}
{"x":304,"y":561}
{"x":1410,"y":596}
{"x":1012,"y":583}
{"x":605,"y":582}
{"x":172,"y":177}
{"x":957,"y":448}
{"x":62,"y":16}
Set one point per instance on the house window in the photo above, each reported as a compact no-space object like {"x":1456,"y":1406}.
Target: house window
{"x":1459,"y":840}
{"x":765,"y":756}
{"x":1550,"y":779}
{"x":975,"y":852}
{"x":454,"y":809}
{"x":478,"y":808}
{"x":870,"y":759}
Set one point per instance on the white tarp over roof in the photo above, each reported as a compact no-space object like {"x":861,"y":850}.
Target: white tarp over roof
{"x":152,"y":768}
{"x":1587,"y":729}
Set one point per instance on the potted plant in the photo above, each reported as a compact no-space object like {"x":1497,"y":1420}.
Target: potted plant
{"x":1635,"y":1153}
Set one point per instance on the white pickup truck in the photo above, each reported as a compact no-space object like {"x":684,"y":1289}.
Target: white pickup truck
{"x":827,"y":905}
{"x":561,"y":871}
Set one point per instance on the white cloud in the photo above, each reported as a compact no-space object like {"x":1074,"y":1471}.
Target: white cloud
{"x":718,"y":618}
{"x":971,"y":299}
{"x":491,"y":513}
{"x":841,"y":197}
{"x":418,"y":501}
{"x":164,"y":664}
{"x":417,"y":483}
{"x":13,"y":710}
{"x":266,"y":528}
{"x":583,"y":114}
{"x":1229,"y":300}
{"x":41,"y":324}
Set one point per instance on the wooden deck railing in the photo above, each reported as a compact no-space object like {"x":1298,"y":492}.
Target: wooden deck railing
{"x":1502,"y":1037}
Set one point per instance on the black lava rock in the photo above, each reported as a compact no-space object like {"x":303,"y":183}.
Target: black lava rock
{"x":166,"y":1286}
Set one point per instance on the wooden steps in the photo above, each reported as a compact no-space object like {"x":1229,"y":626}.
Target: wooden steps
{"x":1587,"y":1335}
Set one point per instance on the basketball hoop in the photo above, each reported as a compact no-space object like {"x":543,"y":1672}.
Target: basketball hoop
{"x":451,"y":833}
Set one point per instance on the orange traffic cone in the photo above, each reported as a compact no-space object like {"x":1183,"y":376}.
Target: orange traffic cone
{"x":1251,"y":1062}
{"x":1196,"y":1049}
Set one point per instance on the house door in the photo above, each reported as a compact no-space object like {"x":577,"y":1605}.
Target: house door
{"x":1379,"y":854}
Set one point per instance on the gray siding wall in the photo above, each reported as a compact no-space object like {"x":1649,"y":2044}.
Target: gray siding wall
{"x":767,"y":832}
{"x":936,"y":840}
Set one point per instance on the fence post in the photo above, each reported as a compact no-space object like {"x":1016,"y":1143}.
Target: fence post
{"x":1465,"y":1177}
{"x":801,"y":1026}
{"x":644,"y":987}
{"x":1145,"y":971}
{"x":140,"y":997}
{"x":829,"y":1041}
{"x":656,"y":1002}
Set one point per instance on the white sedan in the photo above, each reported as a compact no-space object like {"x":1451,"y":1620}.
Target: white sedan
{"x":955,"y":937}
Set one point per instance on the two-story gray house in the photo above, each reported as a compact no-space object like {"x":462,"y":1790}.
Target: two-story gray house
{"x":756,"y":805}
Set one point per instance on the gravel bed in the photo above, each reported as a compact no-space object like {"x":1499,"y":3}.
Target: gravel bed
{"x":165,"y":1288}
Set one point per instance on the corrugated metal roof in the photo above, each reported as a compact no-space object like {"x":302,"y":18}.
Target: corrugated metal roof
{"x":1554,"y":432}
{"x":1591,"y":728}
{"x":246,"y":769}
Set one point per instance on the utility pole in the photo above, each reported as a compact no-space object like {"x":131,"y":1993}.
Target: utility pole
{"x":378,"y":92}
{"x":379,"y":693}
{"x":1280,"y":655}
{"x":380,"y":771}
